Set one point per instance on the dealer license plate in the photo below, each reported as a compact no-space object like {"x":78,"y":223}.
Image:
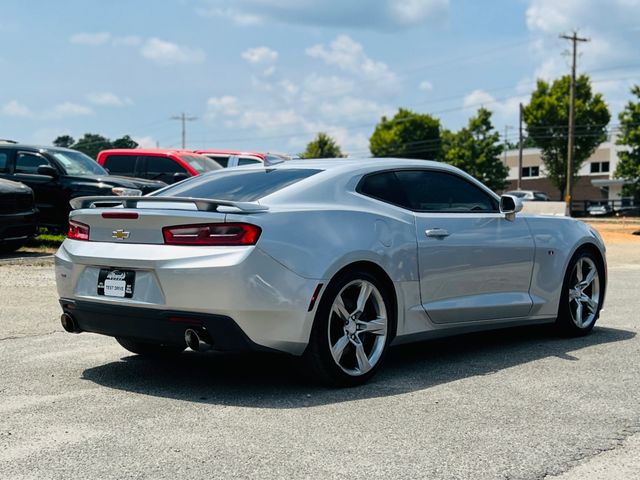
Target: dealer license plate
{"x":116,"y":283}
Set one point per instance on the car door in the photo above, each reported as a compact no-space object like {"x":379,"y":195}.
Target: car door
{"x":47,"y":189}
{"x":474,"y":264}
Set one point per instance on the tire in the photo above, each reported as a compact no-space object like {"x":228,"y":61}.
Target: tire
{"x":582,"y":295}
{"x":149,"y":349}
{"x":10,"y":247}
{"x":360,"y":332}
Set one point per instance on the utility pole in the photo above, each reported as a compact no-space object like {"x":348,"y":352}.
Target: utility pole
{"x":520,"y":146}
{"x":572,"y":100}
{"x":184,"y":118}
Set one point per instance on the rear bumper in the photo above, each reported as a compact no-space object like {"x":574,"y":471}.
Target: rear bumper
{"x":158,"y":326}
{"x":17,"y":226}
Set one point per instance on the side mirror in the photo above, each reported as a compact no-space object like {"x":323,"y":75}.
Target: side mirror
{"x":179,"y":176}
{"x":47,"y":170}
{"x":510,"y":205}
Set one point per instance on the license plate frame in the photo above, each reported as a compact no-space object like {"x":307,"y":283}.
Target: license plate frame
{"x":116,"y":283}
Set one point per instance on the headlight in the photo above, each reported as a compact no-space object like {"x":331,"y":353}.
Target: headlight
{"x":126,"y":192}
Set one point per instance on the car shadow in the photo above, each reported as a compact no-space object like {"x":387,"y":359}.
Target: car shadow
{"x":279,"y":381}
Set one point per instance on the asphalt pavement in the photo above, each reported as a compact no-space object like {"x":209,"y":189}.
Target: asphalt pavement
{"x":513,"y":404}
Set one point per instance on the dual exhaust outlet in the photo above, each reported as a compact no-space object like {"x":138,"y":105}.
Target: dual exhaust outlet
{"x":197,"y":340}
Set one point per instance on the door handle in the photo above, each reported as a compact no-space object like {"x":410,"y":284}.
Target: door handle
{"x":436,"y":233}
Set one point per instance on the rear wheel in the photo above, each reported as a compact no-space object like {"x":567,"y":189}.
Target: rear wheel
{"x":352,"y":330}
{"x":149,"y":349}
{"x":581,"y":295}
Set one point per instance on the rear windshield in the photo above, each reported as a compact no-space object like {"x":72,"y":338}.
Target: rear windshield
{"x":237,"y":185}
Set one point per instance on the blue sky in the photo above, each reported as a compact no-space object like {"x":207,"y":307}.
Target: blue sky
{"x":270,"y":74}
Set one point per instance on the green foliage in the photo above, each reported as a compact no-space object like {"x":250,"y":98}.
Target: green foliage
{"x":64,"y":141}
{"x":91,"y":143}
{"x":323,"y":146}
{"x":629,"y":164}
{"x":547,"y":117}
{"x":476,"y":149}
{"x":408,"y":135}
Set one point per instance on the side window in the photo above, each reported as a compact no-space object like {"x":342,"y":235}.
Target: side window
{"x":121,"y":164}
{"x":29,"y":162}
{"x":162,"y":168}
{"x":4,"y":160}
{"x":433,"y":191}
{"x":247,"y":161}
{"x":223,"y":161}
{"x":383,"y":186}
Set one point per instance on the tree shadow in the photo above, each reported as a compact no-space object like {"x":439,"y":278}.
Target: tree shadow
{"x":279,"y":381}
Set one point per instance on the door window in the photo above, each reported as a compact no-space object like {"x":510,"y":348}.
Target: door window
{"x":163,"y":168}
{"x":434,"y":191}
{"x":4,"y":160}
{"x":29,"y":163}
{"x":247,"y":161}
{"x":121,"y":164}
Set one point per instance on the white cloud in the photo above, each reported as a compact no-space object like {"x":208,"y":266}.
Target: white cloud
{"x":349,"y":55}
{"x":67,"y":109}
{"x":168,"y":53}
{"x":225,"y":105}
{"x":108,"y":99}
{"x":91,"y":39}
{"x":384,"y":15}
{"x":505,"y":110}
{"x":16,"y":109}
{"x":145,"y":142}
{"x":355,"y":109}
{"x":260,"y":55}
{"x":425,"y":86}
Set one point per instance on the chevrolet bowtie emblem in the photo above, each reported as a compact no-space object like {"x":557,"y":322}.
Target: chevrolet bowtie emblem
{"x":120,"y":234}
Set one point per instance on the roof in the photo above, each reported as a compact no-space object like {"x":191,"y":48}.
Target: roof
{"x":147,"y":151}
{"x":228,"y":152}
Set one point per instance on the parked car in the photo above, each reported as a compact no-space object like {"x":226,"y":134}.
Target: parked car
{"x":170,"y":166}
{"x":230,"y":159}
{"x":57,"y":175}
{"x":631,"y":211}
{"x":18,"y":215}
{"x":603,"y":210}
{"x":529,"y":195}
{"x":333,"y":260}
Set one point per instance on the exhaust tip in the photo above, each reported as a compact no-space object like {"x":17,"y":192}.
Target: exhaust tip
{"x":194,"y":340}
{"x":69,"y":324}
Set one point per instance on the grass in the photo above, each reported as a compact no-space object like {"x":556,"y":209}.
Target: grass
{"x":44,"y":242}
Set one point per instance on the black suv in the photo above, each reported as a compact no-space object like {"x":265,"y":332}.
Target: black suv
{"x":18,"y":215}
{"x":57,"y":175}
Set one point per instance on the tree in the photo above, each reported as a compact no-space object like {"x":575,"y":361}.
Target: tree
{"x":124,"y":142}
{"x":547,"y":117}
{"x":476,"y":149}
{"x":91,"y":144}
{"x":323,"y":146}
{"x":64,"y":141}
{"x":408,"y":135}
{"x":629,"y":164}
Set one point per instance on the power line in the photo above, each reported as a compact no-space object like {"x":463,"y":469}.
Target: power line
{"x":184,"y":118}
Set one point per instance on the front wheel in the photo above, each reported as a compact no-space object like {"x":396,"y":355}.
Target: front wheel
{"x":149,"y":349}
{"x":582,"y":294}
{"x":352,"y":330}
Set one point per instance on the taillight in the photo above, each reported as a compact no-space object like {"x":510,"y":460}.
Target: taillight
{"x":78,"y":231}
{"x":222,"y":234}
{"x":121,"y":215}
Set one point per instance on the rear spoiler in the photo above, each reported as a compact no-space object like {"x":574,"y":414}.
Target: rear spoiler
{"x":202,"y":204}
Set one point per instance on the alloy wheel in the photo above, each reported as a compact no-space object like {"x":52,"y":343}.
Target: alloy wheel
{"x":584,"y":292}
{"x":358,"y":327}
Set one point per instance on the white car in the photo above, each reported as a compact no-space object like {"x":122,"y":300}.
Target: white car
{"x":334,"y":260}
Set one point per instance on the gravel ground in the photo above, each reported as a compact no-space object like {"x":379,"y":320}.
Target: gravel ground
{"x":517,"y":404}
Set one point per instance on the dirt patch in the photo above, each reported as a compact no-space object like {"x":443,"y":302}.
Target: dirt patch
{"x":623,"y":247}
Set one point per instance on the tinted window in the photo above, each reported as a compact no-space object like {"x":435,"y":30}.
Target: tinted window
{"x":4,"y":158}
{"x":163,"y":168}
{"x":237,"y":184}
{"x":223,"y":161}
{"x":432,"y":191}
{"x":247,"y":161}
{"x":121,"y":164}
{"x":29,"y":163}
{"x":383,"y":186}
{"x":77,"y":163}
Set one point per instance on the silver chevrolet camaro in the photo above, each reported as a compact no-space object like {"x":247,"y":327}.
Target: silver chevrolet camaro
{"x":334,"y":260}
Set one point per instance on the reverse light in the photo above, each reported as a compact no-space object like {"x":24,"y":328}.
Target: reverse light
{"x":220,"y":234}
{"x":78,"y":231}
{"x":126,"y":192}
